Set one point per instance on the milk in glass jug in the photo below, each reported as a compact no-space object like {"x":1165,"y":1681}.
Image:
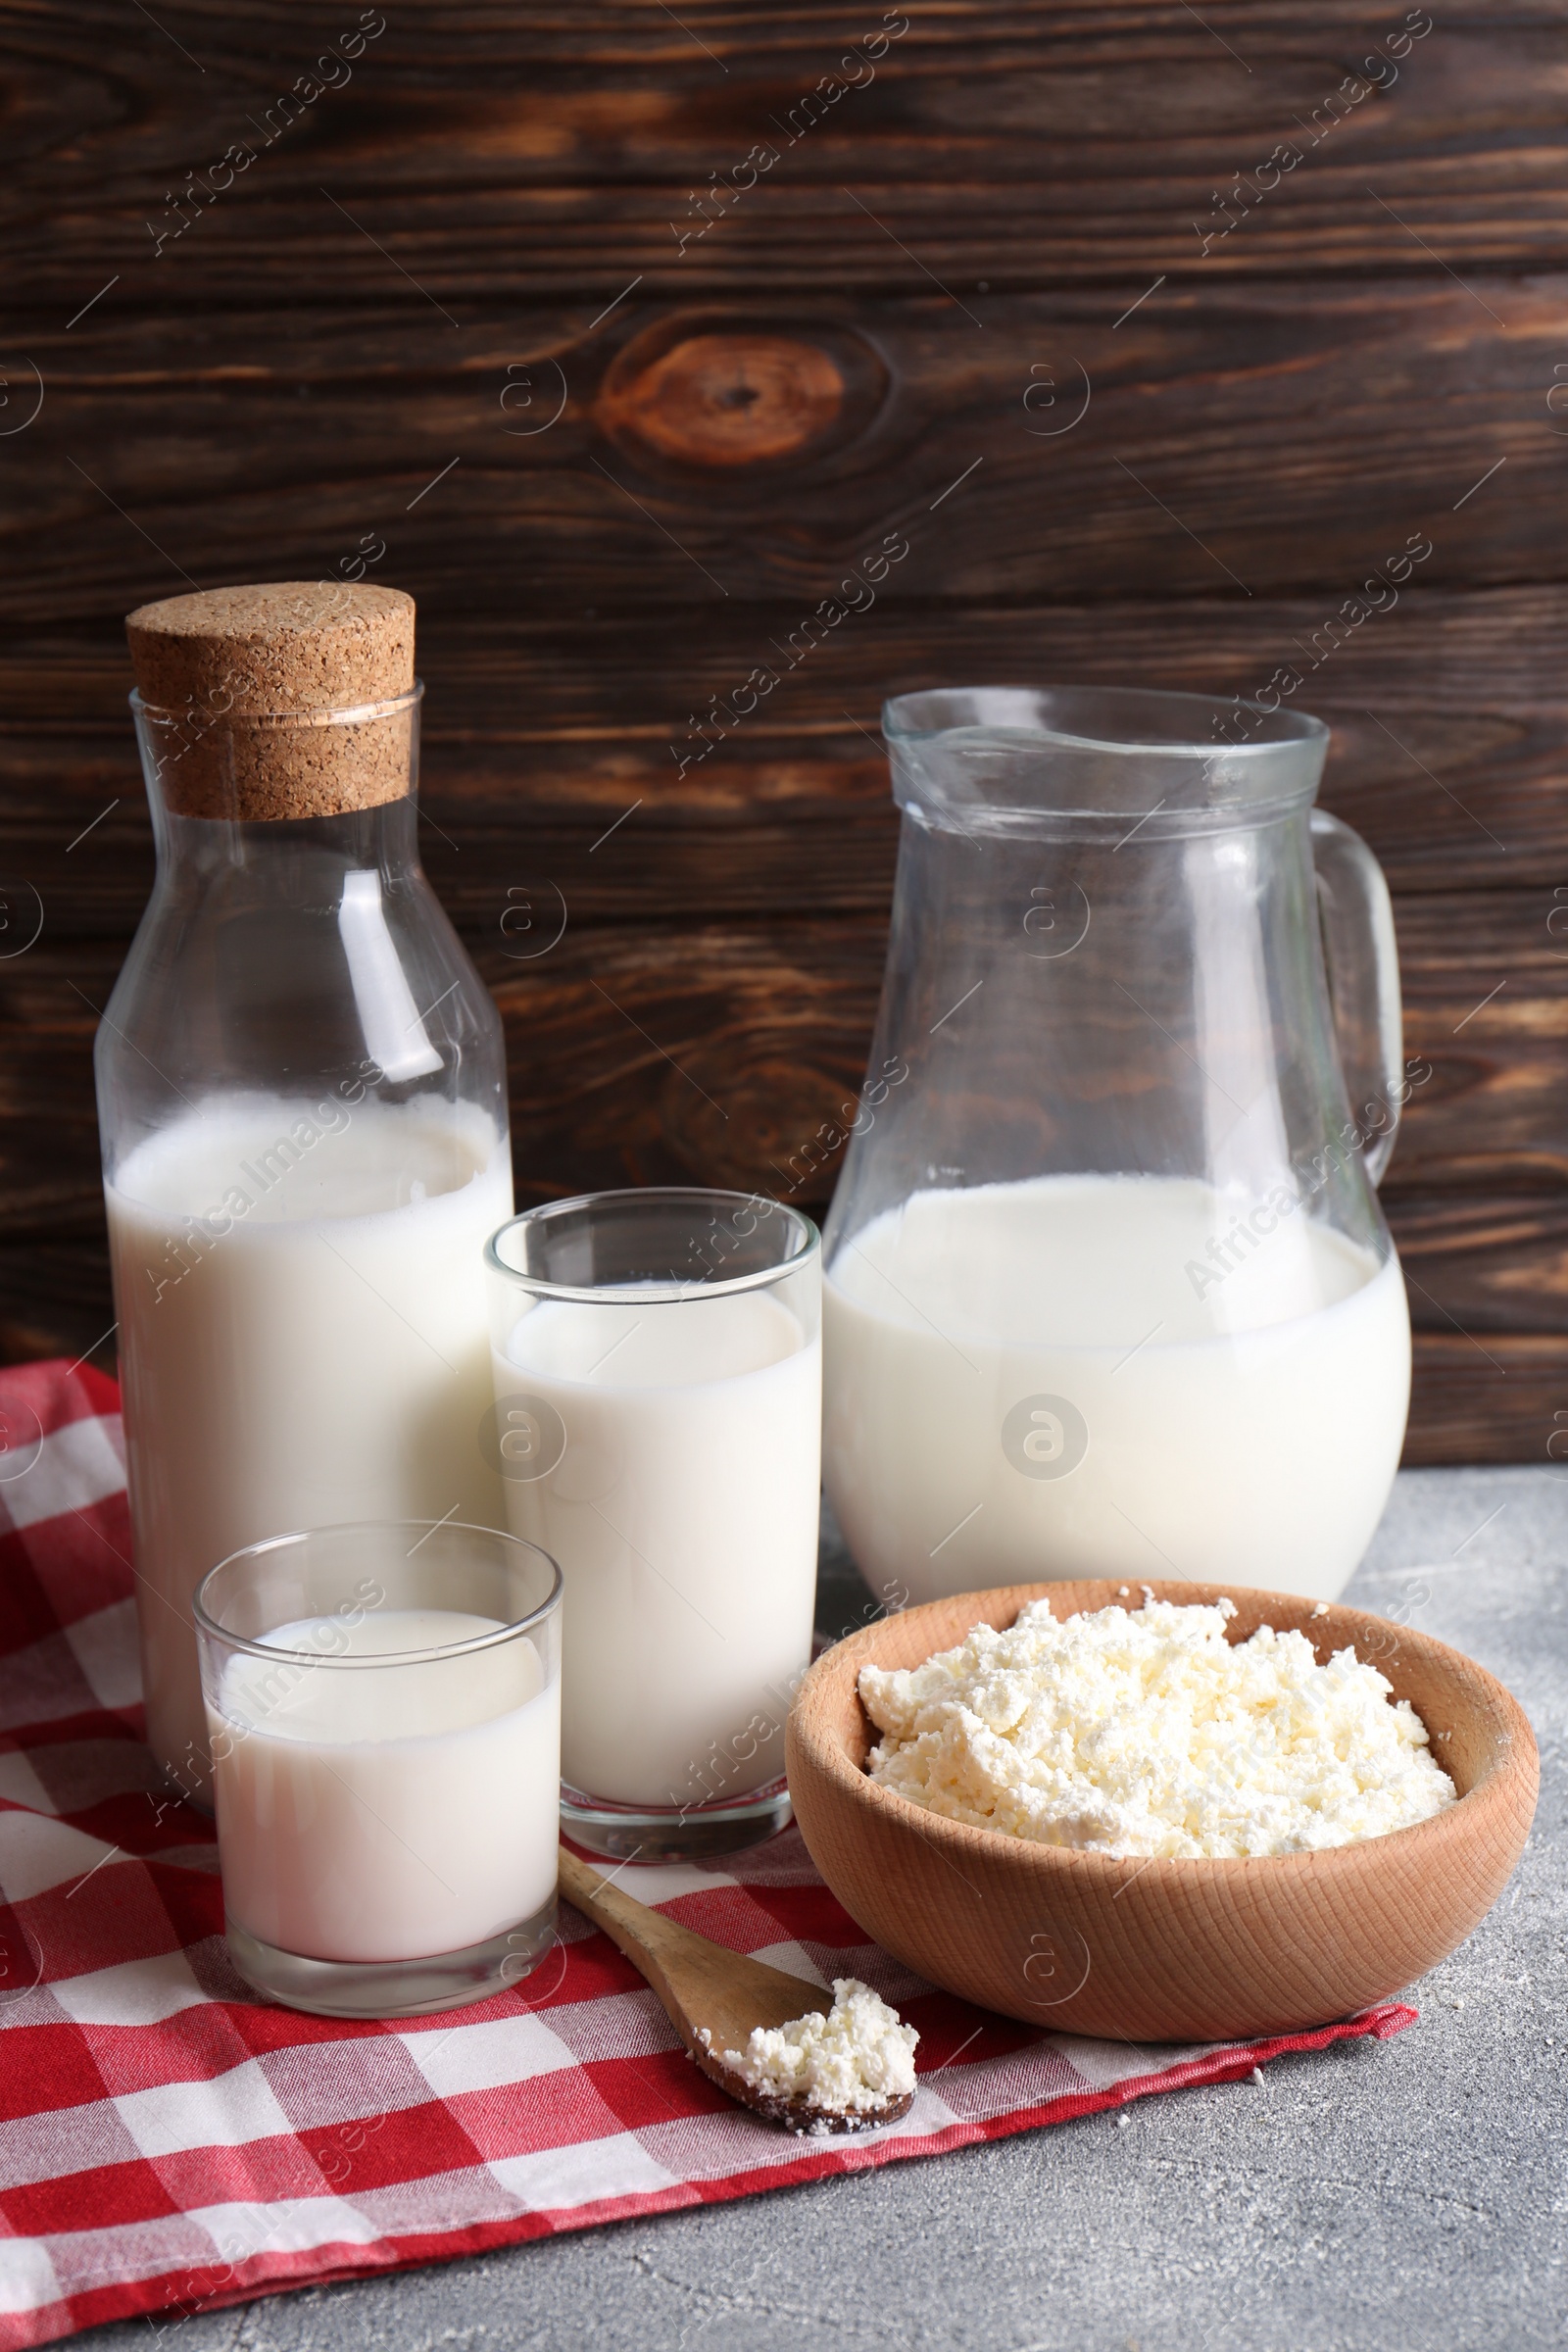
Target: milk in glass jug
{"x":1109,"y":1289}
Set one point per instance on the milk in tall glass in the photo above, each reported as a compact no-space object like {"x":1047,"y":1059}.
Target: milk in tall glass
{"x":658,"y":1379}
{"x":686,"y":1505}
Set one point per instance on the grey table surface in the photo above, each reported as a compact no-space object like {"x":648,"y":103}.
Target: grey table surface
{"x":1377,"y":2197}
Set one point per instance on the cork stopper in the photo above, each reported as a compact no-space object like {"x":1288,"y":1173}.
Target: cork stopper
{"x":268,"y":701}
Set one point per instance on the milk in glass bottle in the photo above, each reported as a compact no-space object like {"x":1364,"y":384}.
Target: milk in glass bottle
{"x":302,"y":1103}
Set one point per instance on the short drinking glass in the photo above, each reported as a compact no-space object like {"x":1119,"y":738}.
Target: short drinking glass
{"x":383,"y":1700}
{"x":658,"y":1425}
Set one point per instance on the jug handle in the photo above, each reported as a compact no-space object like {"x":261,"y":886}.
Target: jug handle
{"x":1363,"y":969}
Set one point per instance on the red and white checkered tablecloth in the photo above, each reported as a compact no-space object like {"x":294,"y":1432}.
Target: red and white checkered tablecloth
{"x":168,"y":2142}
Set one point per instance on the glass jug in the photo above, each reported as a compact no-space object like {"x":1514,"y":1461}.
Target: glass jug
{"x":303,"y":1114}
{"x":1108,"y":1289}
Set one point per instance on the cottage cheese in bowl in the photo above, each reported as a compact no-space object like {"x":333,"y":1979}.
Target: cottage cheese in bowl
{"x":1144,"y":1732}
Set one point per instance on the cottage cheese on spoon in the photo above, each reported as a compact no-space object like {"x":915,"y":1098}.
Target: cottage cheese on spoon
{"x":1146,"y":1733}
{"x":856,"y":2060}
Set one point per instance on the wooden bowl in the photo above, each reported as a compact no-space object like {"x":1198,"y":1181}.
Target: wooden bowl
{"x":1134,"y":1950}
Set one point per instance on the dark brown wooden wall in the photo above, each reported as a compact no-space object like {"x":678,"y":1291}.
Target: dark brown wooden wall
{"x":443,"y":310}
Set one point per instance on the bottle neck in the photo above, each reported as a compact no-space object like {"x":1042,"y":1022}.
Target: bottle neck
{"x":301,"y":859}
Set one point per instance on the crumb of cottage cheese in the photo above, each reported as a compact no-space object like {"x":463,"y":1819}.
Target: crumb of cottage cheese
{"x":1145,"y":1732}
{"x":856,"y":2059}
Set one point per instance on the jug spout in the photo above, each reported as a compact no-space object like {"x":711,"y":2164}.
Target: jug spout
{"x":1050,"y":761}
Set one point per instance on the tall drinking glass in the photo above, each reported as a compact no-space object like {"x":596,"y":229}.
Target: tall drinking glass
{"x":657,"y":1424}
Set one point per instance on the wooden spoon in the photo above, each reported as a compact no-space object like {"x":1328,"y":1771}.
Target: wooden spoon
{"x":705,"y":1988}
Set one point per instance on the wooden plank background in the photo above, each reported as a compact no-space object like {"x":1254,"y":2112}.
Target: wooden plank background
{"x":517,"y":313}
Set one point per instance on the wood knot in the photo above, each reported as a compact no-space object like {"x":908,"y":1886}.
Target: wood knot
{"x":723,"y":400}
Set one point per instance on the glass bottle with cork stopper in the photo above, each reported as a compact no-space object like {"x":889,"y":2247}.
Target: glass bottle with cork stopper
{"x":303,"y":1113}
